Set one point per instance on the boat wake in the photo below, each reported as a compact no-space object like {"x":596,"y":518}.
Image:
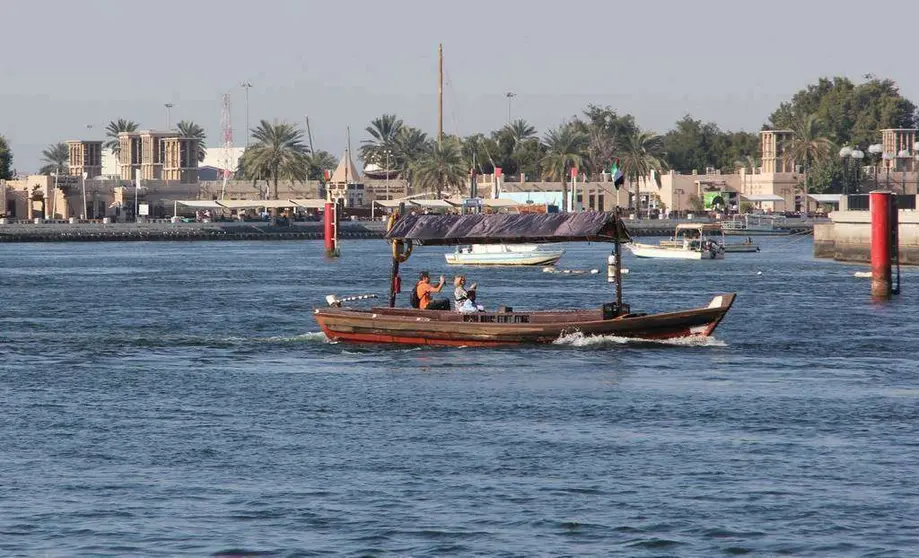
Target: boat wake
{"x":310,"y":337}
{"x":578,"y":339}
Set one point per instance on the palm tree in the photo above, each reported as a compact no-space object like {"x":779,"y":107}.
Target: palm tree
{"x":409,"y":146}
{"x":278,"y":152}
{"x":442,"y":167}
{"x":318,"y":162}
{"x":113,"y":129}
{"x":565,"y":147}
{"x":383,"y":131}
{"x":640,"y":154}
{"x":188,"y":129}
{"x":520,"y":130}
{"x":808,"y":146}
{"x":56,"y":156}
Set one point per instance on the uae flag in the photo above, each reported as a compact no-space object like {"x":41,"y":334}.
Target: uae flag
{"x":616,"y":172}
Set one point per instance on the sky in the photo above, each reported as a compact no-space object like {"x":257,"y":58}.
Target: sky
{"x":71,"y":67}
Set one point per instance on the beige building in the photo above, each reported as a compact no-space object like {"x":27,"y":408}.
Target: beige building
{"x":84,"y":157}
{"x":152,"y":155}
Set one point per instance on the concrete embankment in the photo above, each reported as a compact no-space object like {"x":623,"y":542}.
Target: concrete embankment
{"x":847,"y":237}
{"x":312,"y":230}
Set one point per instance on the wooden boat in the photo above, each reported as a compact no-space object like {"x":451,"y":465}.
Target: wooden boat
{"x":691,"y":241}
{"x":506,"y":326}
{"x":504,"y":254}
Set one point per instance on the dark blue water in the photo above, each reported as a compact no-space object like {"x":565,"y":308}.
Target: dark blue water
{"x":166,"y":399}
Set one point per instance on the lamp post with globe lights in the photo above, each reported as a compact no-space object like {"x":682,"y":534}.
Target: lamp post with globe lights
{"x":904,"y":154}
{"x":887,"y":157}
{"x":878,"y":150}
{"x":857,"y":156}
{"x":845,"y":153}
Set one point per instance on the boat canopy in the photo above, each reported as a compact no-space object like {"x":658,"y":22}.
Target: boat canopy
{"x":698,"y":227}
{"x":509,"y":228}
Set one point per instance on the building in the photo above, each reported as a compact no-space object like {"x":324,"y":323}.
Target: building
{"x":153,"y":155}
{"x":84,"y":157}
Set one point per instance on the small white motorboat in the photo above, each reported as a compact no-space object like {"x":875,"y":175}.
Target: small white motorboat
{"x":504,"y":254}
{"x":689,"y":242}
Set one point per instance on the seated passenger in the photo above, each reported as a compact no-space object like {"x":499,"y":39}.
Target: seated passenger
{"x":424,"y":291}
{"x":464,"y":299}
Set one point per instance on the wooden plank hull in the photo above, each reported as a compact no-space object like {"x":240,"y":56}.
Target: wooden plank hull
{"x":446,"y":328}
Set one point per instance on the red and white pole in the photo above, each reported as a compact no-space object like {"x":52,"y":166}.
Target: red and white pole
{"x":330,"y":233}
{"x":883,"y":219}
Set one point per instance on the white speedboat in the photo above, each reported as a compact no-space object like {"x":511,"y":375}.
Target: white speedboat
{"x":689,"y":242}
{"x":504,"y":254}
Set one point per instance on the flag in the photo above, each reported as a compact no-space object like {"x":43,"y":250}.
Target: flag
{"x":327,"y":174}
{"x":574,"y":172}
{"x":616,"y":172}
{"x":656,"y":176}
{"x":497,"y":171}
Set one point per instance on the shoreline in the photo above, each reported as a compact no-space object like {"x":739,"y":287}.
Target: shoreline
{"x":226,"y":231}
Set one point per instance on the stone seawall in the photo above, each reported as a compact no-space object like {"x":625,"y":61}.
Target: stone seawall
{"x":164,"y":231}
{"x":847,"y":238}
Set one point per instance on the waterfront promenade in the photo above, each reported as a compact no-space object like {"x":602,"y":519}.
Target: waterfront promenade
{"x":164,"y":230}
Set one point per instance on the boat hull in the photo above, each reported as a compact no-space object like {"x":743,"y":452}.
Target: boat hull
{"x":538,"y":258}
{"x":500,"y":254}
{"x":446,"y":328}
{"x":672,"y":253}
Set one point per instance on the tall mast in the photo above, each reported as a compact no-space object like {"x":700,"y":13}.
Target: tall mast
{"x":440,"y":93}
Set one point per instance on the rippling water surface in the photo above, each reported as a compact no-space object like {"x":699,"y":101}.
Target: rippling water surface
{"x":166,"y":399}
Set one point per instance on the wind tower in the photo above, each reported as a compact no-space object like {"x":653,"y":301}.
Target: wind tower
{"x":227,"y":126}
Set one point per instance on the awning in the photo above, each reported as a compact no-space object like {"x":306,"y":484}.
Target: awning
{"x":314,"y":203}
{"x":825,"y":198}
{"x":500,"y":203}
{"x":391,"y":203}
{"x":200,"y":204}
{"x":762,"y":197}
{"x":509,"y":228}
{"x":241,"y":204}
{"x":432,"y":203}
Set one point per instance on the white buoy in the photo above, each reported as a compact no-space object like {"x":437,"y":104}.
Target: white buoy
{"x":759,"y":272}
{"x":863,"y":274}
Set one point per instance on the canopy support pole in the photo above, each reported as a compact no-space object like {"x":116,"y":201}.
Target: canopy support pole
{"x":394,"y":282}
{"x":617,"y":257}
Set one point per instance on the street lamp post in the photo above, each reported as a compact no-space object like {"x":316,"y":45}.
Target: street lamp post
{"x":247,"y":86}
{"x":887,"y":158}
{"x":845,"y":153}
{"x":387,"y":172}
{"x":510,"y":95}
{"x":903,"y":154}
{"x":168,"y":119}
{"x":878,"y":150}
{"x":857,"y":156}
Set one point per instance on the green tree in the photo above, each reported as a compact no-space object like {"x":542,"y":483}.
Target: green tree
{"x":640,"y":153}
{"x":410,"y":146}
{"x":443,"y":167}
{"x":564,"y":150}
{"x":383,"y":133}
{"x":851,"y":114}
{"x":808,"y":147}
{"x":277,"y":152}
{"x":318,"y":162}
{"x":604,"y":128}
{"x":188,"y":129}
{"x":6,"y":160}
{"x":114,"y":128}
{"x":55,"y":157}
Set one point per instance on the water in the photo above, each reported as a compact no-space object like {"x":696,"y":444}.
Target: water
{"x":168,"y":399}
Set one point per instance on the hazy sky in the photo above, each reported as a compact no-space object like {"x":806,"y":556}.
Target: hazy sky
{"x":67,"y":65}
